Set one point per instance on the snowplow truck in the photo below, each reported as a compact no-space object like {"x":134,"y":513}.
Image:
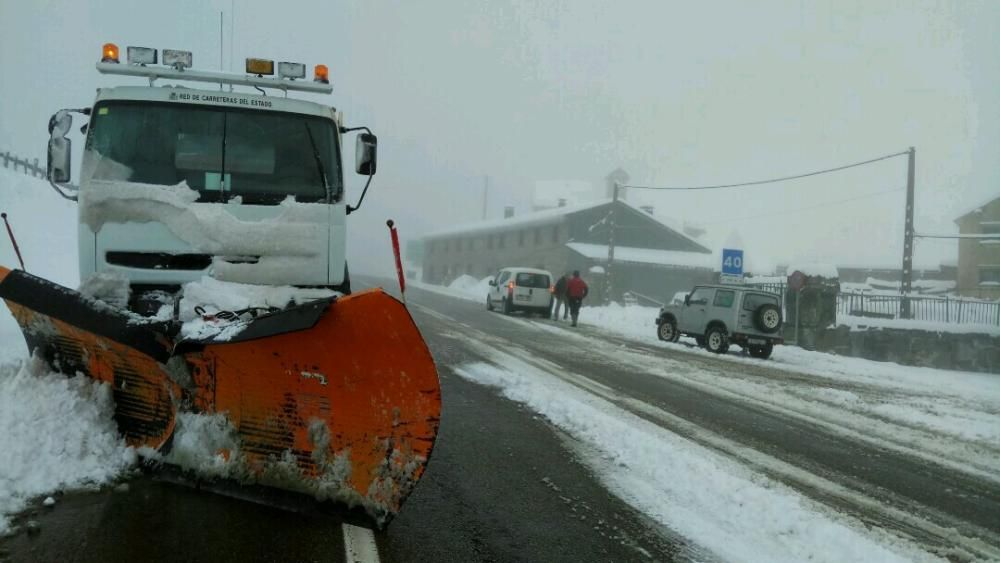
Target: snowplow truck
{"x":332,"y":401}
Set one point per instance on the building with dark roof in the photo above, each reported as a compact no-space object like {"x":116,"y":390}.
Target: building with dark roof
{"x":979,"y":251}
{"x":651,"y":258}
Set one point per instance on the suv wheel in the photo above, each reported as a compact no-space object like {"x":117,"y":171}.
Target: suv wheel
{"x":667,"y":331}
{"x":762,"y":352}
{"x":767,"y":318}
{"x":489,"y":304}
{"x":716,"y":340}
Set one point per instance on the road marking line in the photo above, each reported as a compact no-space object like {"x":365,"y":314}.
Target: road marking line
{"x":359,"y":545}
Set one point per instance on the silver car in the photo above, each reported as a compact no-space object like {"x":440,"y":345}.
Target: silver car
{"x":720,"y":315}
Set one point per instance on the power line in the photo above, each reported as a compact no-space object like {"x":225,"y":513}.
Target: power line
{"x":772,"y":180}
{"x":806,"y":208}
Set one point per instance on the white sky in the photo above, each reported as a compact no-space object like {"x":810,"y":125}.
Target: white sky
{"x":673,"y":92}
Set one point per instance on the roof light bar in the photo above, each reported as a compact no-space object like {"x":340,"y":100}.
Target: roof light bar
{"x":260,"y":67}
{"x":291,"y":70}
{"x":177,"y":59}
{"x":157,"y":72}
{"x":141,"y":56}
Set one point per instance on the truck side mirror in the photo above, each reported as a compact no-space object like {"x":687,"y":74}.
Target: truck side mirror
{"x":365,"y":154}
{"x":493,"y":282}
{"x":60,"y":148}
{"x":687,"y":300}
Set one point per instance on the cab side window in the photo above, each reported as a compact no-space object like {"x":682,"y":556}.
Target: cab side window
{"x":503,"y":277}
{"x":701,"y":296}
{"x":724,"y":298}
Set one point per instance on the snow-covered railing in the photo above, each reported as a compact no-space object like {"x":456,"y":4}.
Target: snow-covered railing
{"x":886,"y":305}
{"x":943,"y":309}
{"x":31,"y":168}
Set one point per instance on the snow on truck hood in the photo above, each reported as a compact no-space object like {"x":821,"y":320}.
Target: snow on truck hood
{"x":295,"y":236}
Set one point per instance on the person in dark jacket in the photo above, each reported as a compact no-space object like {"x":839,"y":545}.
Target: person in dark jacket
{"x":576,"y":290}
{"x":559,"y":298}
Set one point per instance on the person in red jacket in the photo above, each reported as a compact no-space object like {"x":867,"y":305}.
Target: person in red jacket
{"x":576,"y":290}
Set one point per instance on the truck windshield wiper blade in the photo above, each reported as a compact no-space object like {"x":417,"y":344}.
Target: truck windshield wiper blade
{"x":319,"y":161}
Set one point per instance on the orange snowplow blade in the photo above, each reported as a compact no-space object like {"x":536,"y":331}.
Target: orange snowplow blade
{"x":337,"y":399}
{"x":354,"y":402}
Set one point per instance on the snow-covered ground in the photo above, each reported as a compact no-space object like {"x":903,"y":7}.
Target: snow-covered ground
{"x":56,"y":433}
{"x":698,"y":492}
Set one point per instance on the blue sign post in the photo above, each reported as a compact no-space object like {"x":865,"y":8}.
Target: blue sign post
{"x":732,"y":266}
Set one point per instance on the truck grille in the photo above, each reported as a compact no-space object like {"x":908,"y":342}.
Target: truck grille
{"x":159,"y":260}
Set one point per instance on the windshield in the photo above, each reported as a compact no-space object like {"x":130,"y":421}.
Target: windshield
{"x":262,"y":157}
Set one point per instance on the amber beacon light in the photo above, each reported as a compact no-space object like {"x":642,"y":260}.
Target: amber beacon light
{"x":109,"y":54}
{"x":321,"y":74}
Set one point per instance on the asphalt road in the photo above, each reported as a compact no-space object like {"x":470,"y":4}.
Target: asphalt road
{"x":503,"y":485}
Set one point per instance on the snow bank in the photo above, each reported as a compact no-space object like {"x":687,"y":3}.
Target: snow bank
{"x":464,"y":287}
{"x":689,"y":488}
{"x":56,"y":433}
{"x":861,"y":323}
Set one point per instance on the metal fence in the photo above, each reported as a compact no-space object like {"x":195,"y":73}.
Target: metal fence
{"x":956,"y":310}
{"x":922,"y":308}
{"x":31,"y":168}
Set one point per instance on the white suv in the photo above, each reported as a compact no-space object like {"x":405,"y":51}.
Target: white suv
{"x":717,"y":315}
{"x":521,"y":289}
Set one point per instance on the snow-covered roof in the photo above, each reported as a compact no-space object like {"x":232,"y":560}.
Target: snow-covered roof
{"x":525,"y":220}
{"x":675,"y":258}
{"x":977,"y":207}
{"x":546,"y":216}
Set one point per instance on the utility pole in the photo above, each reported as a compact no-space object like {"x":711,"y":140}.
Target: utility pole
{"x":906,"y":283}
{"x":486,"y":193}
{"x":608,"y":285}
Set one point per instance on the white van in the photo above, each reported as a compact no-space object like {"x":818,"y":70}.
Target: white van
{"x":521,"y":289}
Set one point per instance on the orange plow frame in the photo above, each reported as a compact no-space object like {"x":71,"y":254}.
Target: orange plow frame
{"x":338,"y":399}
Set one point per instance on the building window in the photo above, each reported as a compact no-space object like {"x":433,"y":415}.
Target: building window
{"x":555,"y":234}
{"x":520,"y":238}
{"x":990,"y":227}
{"x":489,"y":241}
{"x":432,"y":247}
{"x":500,"y":240}
{"x":445,"y":247}
{"x":538,"y":236}
{"x":989,"y":275}
{"x":468,"y":244}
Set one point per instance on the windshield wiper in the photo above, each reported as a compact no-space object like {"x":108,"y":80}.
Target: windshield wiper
{"x":319,"y":161}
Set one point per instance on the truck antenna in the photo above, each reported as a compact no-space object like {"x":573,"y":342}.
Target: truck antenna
{"x":221,"y":68}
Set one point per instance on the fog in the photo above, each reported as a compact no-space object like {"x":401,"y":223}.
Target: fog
{"x":672,"y":92}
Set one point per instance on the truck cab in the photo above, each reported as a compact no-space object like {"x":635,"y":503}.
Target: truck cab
{"x":178,"y":183}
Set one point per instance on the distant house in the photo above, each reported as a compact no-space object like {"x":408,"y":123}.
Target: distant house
{"x":651,"y":258}
{"x":979,"y":258}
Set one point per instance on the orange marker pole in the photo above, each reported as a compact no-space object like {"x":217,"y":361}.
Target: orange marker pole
{"x":399,"y":262}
